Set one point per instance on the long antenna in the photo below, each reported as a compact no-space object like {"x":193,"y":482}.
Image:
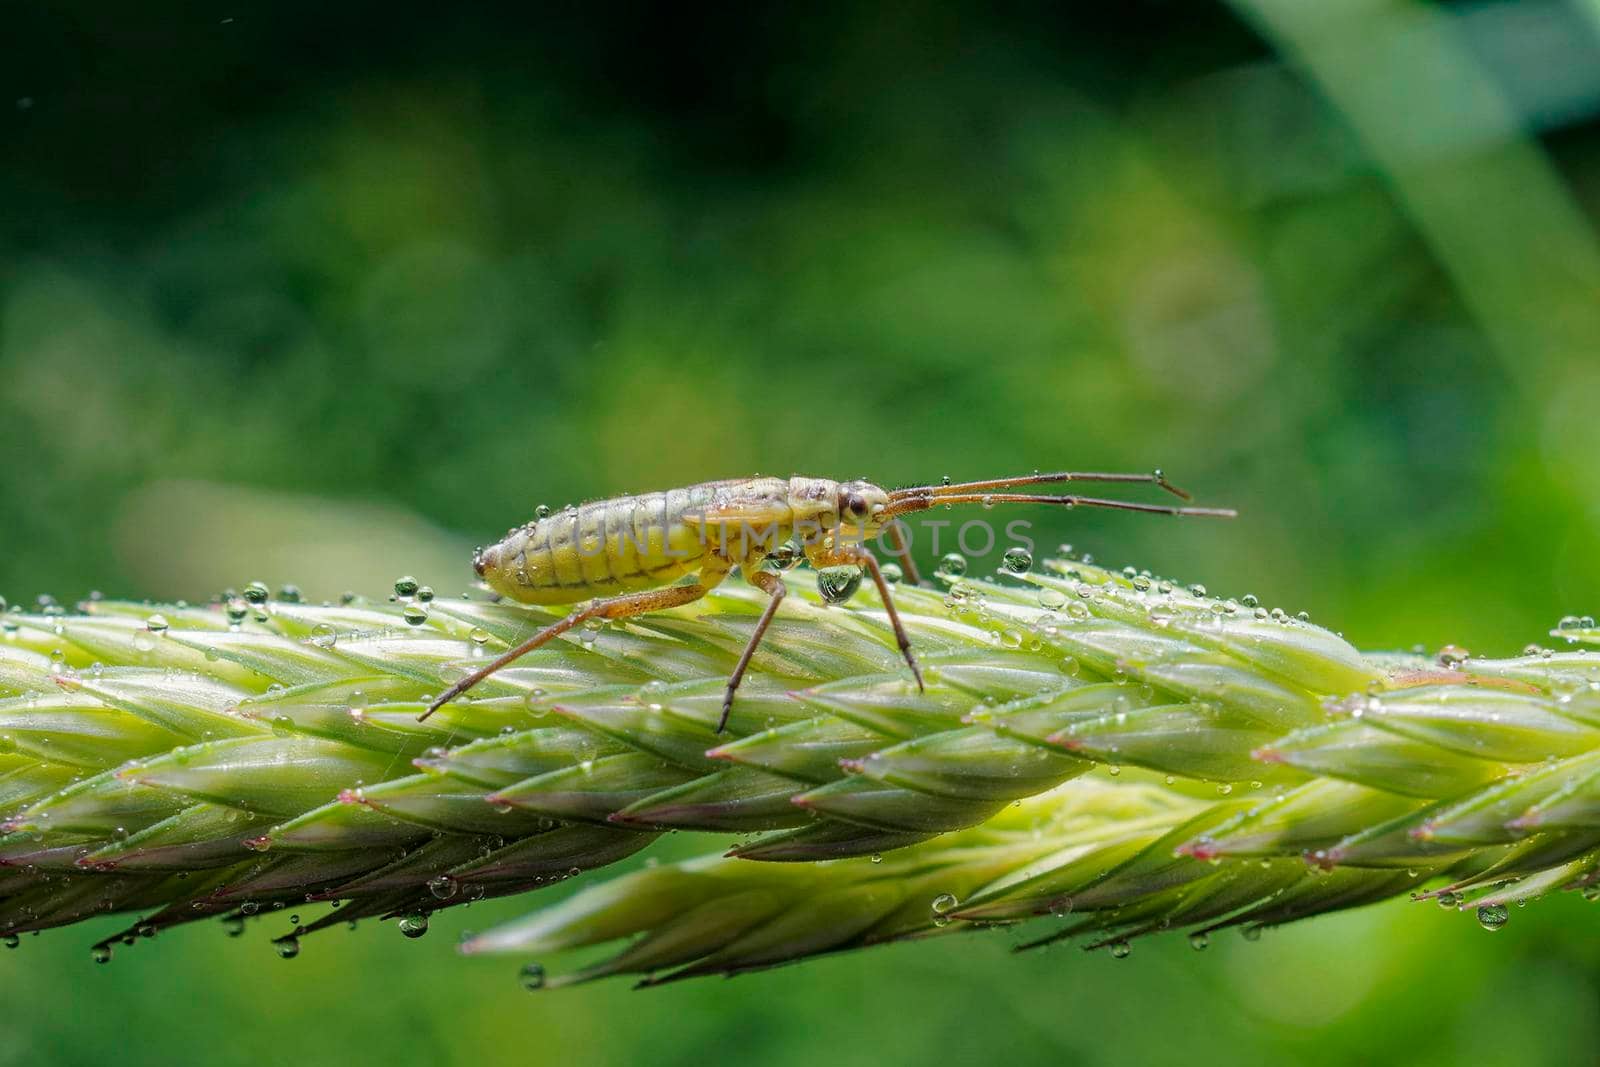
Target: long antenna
{"x":901,"y":507}
{"x":923,"y":497}
{"x":1156,"y":478}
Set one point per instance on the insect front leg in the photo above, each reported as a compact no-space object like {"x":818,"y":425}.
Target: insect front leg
{"x":901,"y":551}
{"x":854,"y":555}
{"x":773,"y":586}
{"x":617,"y":607}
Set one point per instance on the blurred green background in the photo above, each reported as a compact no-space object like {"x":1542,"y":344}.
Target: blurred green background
{"x":327,"y":293}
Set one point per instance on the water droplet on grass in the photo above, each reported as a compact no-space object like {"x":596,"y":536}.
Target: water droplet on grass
{"x":1493,"y":916}
{"x":531,"y":976}
{"x":1016,"y":561}
{"x":838,"y":584}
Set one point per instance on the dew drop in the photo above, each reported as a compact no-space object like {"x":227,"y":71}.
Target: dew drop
{"x":838,"y":584}
{"x":288,"y":947}
{"x":1121,"y":950}
{"x":892,"y":573}
{"x":414,"y":926}
{"x":1016,"y":561}
{"x":100,"y":953}
{"x":157,"y":623}
{"x":257,"y":593}
{"x":323,"y":635}
{"x":1493,"y":916}
{"x":443,"y":887}
{"x":1199,"y":942}
{"x":951,"y":566}
{"x":531,"y":976}
{"x":406,"y":585}
{"x":414,"y":614}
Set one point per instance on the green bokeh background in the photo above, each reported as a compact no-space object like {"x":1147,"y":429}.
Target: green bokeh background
{"x":325,"y":293}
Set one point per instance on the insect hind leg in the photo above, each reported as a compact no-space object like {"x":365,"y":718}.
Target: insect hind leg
{"x":617,"y":607}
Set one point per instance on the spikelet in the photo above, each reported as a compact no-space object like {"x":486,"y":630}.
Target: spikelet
{"x":1107,"y":747}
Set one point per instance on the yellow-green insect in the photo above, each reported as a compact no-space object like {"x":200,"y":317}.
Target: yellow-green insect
{"x":628,"y":556}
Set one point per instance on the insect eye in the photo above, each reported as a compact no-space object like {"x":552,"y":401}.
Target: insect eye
{"x":855,"y":507}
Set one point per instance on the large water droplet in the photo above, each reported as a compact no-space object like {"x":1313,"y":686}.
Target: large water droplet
{"x":838,"y":584}
{"x":952,"y":565}
{"x":405,"y":585}
{"x":1016,"y":561}
{"x":1493,"y":916}
{"x":414,"y":926}
{"x":531,"y":976}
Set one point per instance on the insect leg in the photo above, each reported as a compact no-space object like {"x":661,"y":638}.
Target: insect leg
{"x":902,"y":552}
{"x":618,"y":607}
{"x":773,"y":586}
{"x":859,"y":556}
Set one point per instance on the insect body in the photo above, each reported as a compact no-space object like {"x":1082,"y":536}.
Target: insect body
{"x":636,"y":554}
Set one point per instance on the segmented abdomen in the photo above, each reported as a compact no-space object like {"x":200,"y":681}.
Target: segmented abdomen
{"x":600,"y":548}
